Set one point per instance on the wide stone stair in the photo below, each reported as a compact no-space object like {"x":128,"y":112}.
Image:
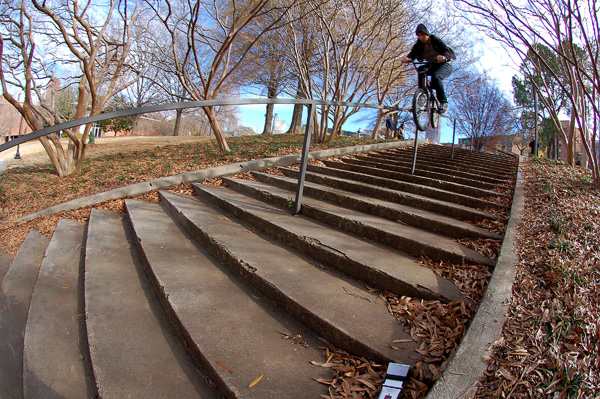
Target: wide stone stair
{"x":226,"y":293}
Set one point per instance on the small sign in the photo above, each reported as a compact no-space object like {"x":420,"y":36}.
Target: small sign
{"x":394,"y":381}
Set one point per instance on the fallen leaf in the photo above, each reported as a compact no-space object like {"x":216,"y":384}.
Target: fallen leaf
{"x":253,"y":383}
{"x":328,"y":365}
{"x":322,"y":381}
{"x":225,"y":367}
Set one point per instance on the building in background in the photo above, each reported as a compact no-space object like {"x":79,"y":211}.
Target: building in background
{"x":11,"y":122}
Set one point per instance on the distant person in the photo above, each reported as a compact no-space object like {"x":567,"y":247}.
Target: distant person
{"x":439,"y":61}
{"x":390,"y":126}
{"x":400,"y":132}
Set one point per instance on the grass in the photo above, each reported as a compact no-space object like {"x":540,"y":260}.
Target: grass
{"x":26,"y":190}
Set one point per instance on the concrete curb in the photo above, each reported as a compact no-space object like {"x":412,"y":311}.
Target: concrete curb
{"x":460,"y":379}
{"x":210,"y":173}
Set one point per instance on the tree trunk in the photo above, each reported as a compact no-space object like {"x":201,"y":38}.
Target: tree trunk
{"x":378,"y":124}
{"x":268,"y":119}
{"x":216,"y":128}
{"x":134,"y":124}
{"x":272,"y":90}
{"x":177,"y":129}
{"x":296,"y":124}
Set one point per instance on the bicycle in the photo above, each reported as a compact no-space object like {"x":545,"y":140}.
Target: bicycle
{"x":426,"y":106}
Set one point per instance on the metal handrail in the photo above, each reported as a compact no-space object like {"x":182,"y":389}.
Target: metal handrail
{"x":177,"y":105}
{"x":207,"y":103}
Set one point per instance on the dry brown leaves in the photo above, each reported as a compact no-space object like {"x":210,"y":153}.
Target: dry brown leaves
{"x":470,"y":279}
{"x":274,"y":171}
{"x":438,"y":327}
{"x":550,"y":344}
{"x":184,"y":189}
{"x":488,"y":247}
{"x":501,"y":213}
{"x":504,"y":189}
{"x":497,"y":226}
{"x":217,"y":181}
{"x":353,"y":377}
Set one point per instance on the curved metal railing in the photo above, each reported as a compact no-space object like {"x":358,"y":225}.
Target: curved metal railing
{"x":211,"y":103}
{"x":174,"y":106}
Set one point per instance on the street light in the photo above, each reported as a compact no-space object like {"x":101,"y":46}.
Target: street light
{"x":18,"y":154}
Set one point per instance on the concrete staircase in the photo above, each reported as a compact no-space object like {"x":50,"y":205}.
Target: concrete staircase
{"x":200,"y":296}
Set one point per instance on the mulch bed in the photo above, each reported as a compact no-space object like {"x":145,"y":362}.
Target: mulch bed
{"x":550,"y":346}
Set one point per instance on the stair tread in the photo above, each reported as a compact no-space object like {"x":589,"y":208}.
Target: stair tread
{"x":391,"y":264}
{"x":15,"y":295}
{"x":417,"y":201}
{"x":53,"y":360}
{"x":436,"y":167}
{"x":131,"y":353}
{"x":442,"y":221}
{"x":412,"y":237}
{"x":362,"y":169}
{"x":230,"y":324}
{"x":4,"y":265}
{"x":408,"y":187}
{"x":304,"y":287}
{"x":365,"y":160}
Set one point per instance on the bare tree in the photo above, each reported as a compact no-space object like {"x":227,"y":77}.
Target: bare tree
{"x":41,"y":38}
{"x":335,"y":50}
{"x":484,"y":110}
{"x":209,"y":42}
{"x":561,"y":26}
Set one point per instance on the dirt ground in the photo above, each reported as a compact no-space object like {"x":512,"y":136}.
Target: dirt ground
{"x":33,"y":153}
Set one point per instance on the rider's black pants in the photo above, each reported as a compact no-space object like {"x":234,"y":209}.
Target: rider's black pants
{"x":438,"y":73}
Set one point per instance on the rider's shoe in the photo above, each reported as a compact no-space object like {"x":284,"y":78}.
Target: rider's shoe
{"x":443,"y":108}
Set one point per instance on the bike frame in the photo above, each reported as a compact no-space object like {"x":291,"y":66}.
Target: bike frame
{"x":430,"y":106}
{"x":424,"y":82}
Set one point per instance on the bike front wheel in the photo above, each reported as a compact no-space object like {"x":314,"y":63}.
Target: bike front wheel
{"x":434,"y":113}
{"x":421,"y":110}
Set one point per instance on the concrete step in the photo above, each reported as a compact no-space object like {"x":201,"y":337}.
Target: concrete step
{"x":378,"y":163}
{"x":56,"y":360}
{"x":405,"y":238}
{"x":483,"y":160}
{"x":365,"y":173}
{"x":422,"y":164}
{"x":390,"y":203}
{"x":134,"y":351}
{"x":320,"y":172}
{"x":336,"y":307}
{"x":457,"y":212}
{"x":375,"y":265}
{"x":233,"y":329}
{"x":494,"y":166}
{"x":15,"y":298}
{"x":4,"y":265}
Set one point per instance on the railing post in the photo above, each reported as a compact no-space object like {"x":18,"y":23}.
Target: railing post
{"x":453,"y":135}
{"x":414,"y":162}
{"x":304,"y":159}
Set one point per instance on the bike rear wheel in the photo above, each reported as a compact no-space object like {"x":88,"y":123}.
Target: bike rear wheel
{"x":421,"y":109}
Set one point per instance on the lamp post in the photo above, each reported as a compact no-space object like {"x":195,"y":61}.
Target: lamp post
{"x":18,"y":154}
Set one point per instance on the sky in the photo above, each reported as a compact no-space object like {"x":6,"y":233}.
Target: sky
{"x":494,"y":59}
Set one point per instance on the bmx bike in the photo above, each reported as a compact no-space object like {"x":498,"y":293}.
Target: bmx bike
{"x":425,"y":106}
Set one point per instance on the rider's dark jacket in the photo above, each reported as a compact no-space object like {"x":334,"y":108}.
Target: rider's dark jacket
{"x":416,"y":53}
